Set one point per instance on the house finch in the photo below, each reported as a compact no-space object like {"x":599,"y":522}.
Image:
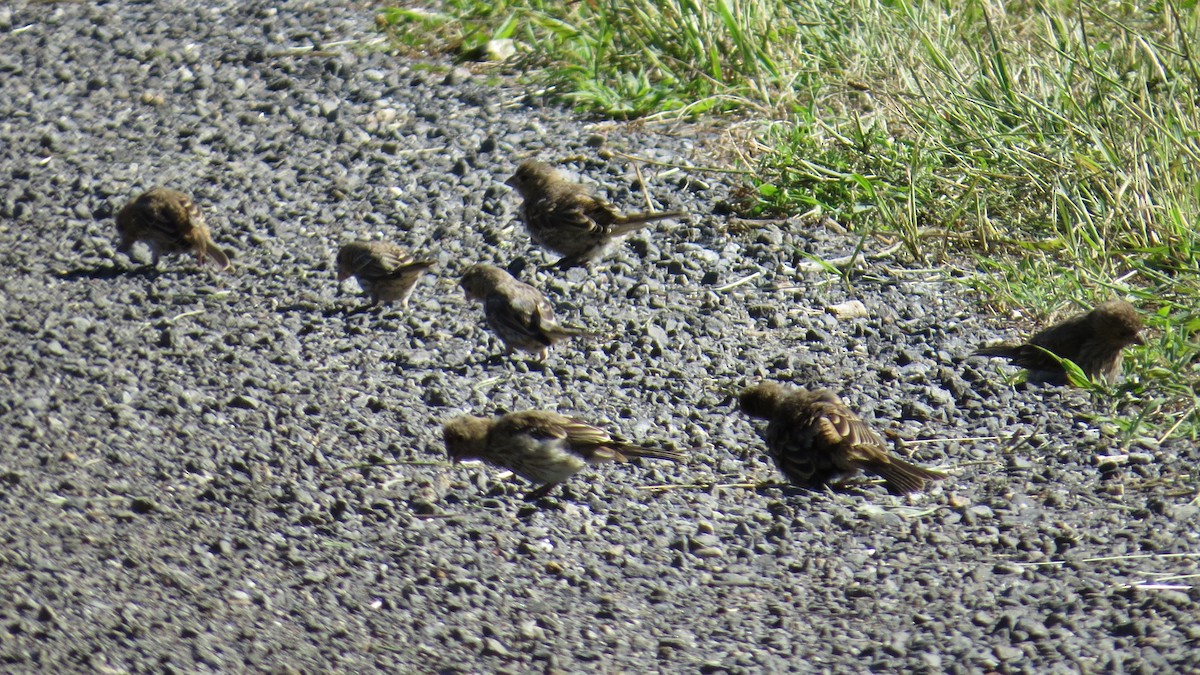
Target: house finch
{"x":169,"y":222}
{"x":815,"y":439}
{"x":563,"y":217}
{"x":516,"y":311}
{"x":384,"y":270}
{"x":542,"y":447}
{"x":1093,"y":341}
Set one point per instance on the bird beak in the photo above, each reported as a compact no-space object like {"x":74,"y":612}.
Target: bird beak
{"x":343,"y":275}
{"x":1138,"y":340}
{"x":512,"y":181}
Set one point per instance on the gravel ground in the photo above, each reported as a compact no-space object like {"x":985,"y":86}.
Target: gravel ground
{"x":233,"y":472}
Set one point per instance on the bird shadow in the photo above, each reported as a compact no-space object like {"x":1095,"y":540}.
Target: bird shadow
{"x":497,"y":359}
{"x":347,"y":312}
{"x":787,"y":489}
{"x":528,"y":506}
{"x":110,"y":272}
{"x":562,"y":264}
{"x":852,"y":487}
{"x":509,"y":361}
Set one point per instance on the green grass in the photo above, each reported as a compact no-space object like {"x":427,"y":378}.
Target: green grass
{"x":1049,"y":147}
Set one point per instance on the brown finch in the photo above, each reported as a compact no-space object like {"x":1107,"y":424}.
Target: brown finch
{"x":815,"y":440}
{"x":518,"y":313}
{"x":169,"y":222}
{"x":1093,"y":341}
{"x":563,"y":217}
{"x":384,"y":270}
{"x":542,"y":447}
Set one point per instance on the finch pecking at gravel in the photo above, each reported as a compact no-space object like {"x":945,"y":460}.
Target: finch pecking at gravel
{"x":1094,"y":341}
{"x":563,"y":217}
{"x":168,"y":221}
{"x":543,"y":447}
{"x":384,"y":270}
{"x":816,"y":440}
{"x":517,"y":312}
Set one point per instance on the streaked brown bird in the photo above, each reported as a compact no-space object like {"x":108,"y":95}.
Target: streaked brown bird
{"x":816,"y":440}
{"x":563,"y":217}
{"x":384,"y":270}
{"x":1094,"y":341}
{"x":518,"y":313}
{"x":543,"y":447}
{"x":169,"y":222}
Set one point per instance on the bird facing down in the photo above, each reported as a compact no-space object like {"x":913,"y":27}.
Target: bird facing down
{"x":563,"y":217}
{"x":815,"y":440}
{"x":1094,"y":341}
{"x":169,"y":222}
{"x":384,"y":270}
{"x":517,"y":312}
{"x":543,"y":447}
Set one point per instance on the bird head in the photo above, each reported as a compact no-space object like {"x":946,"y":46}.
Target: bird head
{"x":347,"y":261}
{"x":1117,"y":321}
{"x":479,"y":280}
{"x":466,"y":437}
{"x":762,"y":400}
{"x":530,"y":176}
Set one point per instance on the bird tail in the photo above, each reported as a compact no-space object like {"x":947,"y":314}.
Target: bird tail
{"x":903,"y":477}
{"x":1005,"y":351}
{"x":418,"y":267}
{"x":653,"y":453}
{"x":214,"y":253}
{"x":636,"y":221}
{"x":555,"y":332}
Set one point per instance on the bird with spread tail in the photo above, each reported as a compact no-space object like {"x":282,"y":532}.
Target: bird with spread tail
{"x":816,"y":440}
{"x":543,"y":447}
{"x":384,"y":270}
{"x":518,"y":313}
{"x":564,"y":217}
{"x":169,"y":222}
{"x":1093,"y":341}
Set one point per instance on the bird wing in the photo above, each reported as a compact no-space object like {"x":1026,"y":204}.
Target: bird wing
{"x":513,"y":318}
{"x":1062,"y":338}
{"x":380,"y":262}
{"x":589,"y":441}
{"x":529,"y":296}
{"x":858,"y":443}
{"x":174,"y":218}
{"x":519,"y":311}
{"x":593,"y":443}
{"x":599,"y":212}
{"x":1026,"y":356}
{"x":538,"y":424}
{"x":581,"y":212}
{"x":839,"y":426}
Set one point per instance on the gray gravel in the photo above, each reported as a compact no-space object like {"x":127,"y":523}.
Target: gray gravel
{"x":231,"y":472}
